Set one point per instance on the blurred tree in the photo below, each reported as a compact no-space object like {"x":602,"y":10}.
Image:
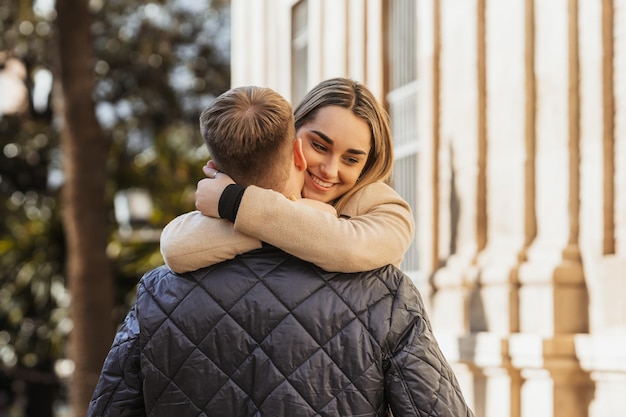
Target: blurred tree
{"x":155,"y":65}
{"x":85,"y":148}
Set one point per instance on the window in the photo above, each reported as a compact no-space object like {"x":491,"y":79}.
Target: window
{"x":401,"y":75}
{"x":299,"y":51}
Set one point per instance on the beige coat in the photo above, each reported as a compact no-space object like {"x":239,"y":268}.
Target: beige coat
{"x":378,"y":232}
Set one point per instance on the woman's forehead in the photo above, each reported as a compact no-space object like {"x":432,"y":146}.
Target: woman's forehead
{"x":342,"y":127}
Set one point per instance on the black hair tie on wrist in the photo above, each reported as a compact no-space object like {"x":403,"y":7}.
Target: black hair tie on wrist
{"x":230,"y":200}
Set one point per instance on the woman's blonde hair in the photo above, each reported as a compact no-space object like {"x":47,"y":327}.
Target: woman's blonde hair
{"x":357,"y":98}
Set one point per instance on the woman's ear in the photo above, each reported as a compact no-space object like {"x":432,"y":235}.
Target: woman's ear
{"x":298,"y":155}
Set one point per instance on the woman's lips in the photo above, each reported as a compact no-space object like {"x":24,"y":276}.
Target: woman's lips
{"x":320,"y":183}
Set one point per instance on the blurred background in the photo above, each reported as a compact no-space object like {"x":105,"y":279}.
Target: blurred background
{"x":509,"y":128}
{"x":151,"y":68}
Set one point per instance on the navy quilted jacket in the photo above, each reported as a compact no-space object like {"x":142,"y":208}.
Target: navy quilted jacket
{"x":267,"y":334}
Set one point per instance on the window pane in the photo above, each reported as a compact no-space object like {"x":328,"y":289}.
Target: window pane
{"x":405,"y":183}
{"x":401,"y":42}
{"x":402,"y":101}
{"x":299,"y":51}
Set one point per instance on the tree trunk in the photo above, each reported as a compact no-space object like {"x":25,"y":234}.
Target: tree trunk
{"x":85,"y":147}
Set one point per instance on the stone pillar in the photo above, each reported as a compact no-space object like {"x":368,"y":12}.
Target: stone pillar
{"x":553,"y":293}
{"x":604,"y":357}
{"x":553,"y":290}
{"x":496,"y":383}
{"x":554,"y":384}
{"x":456,"y":157}
{"x":494,"y":307}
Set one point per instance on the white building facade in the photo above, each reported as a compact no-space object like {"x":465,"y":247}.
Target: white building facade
{"x":509,"y":124}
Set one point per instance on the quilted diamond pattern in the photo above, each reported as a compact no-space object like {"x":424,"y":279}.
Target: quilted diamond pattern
{"x":269,"y":335}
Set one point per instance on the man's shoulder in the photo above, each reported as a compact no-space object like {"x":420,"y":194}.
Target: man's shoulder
{"x":387,"y":272}
{"x":397,"y":283}
{"x":391,"y":275}
{"x":157,"y":273}
{"x":270,"y":257}
{"x":267,"y":256}
{"x":153,"y":277}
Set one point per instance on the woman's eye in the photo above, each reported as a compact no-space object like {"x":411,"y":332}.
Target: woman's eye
{"x":318,"y":146}
{"x":352,"y":161}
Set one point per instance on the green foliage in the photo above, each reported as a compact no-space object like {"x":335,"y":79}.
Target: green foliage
{"x":157,"y":65}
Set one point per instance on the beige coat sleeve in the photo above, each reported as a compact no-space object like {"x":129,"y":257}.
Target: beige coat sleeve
{"x":192,"y":241}
{"x":378,"y":233}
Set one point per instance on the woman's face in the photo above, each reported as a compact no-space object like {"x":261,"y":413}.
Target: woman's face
{"x":335,"y":144}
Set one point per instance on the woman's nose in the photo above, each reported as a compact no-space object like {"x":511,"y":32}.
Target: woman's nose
{"x":330,"y":168}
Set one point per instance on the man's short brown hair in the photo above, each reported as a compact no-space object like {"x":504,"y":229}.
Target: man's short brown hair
{"x":250,"y":132}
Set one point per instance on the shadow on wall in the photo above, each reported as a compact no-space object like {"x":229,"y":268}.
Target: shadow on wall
{"x":454,"y":205}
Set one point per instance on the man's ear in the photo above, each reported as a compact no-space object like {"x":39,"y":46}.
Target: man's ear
{"x":298,"y":155}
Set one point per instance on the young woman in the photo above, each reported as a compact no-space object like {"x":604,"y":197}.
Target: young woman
{"x":346,"y":141}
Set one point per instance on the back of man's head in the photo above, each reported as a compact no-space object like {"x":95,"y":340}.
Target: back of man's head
{"x":250,"y":132}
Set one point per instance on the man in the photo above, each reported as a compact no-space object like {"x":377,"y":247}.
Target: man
{"x":267,"y":334}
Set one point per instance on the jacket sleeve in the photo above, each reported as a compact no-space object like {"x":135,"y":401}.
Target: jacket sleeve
{"x":378,"y":232}
{"x":192,"y":241}
{"x":419,"y":380}
{"x":119,"y":391}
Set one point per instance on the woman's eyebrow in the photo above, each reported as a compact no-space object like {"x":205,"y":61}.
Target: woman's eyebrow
{"x":328,"y":140}
{"x":324,"y":137}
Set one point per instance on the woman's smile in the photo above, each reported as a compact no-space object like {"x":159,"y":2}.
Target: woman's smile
{"x":322,"y":185}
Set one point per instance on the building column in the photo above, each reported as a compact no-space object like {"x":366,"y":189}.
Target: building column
{"x":456,"y":161}
{"x":553,"y":292}
{"x":604,"y":357}
{"x":553,"y":295}
{"x":554,"y":384}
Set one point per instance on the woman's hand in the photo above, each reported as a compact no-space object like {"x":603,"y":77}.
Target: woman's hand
{"x":209,"y":190}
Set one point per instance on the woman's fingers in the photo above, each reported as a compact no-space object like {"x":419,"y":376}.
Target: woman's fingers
{"x":209,"y":172}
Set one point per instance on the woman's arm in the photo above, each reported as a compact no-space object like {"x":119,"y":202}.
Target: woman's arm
{"x":317,"y":205}
{"x":192,"y":241}
{"x":378,"y":232}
